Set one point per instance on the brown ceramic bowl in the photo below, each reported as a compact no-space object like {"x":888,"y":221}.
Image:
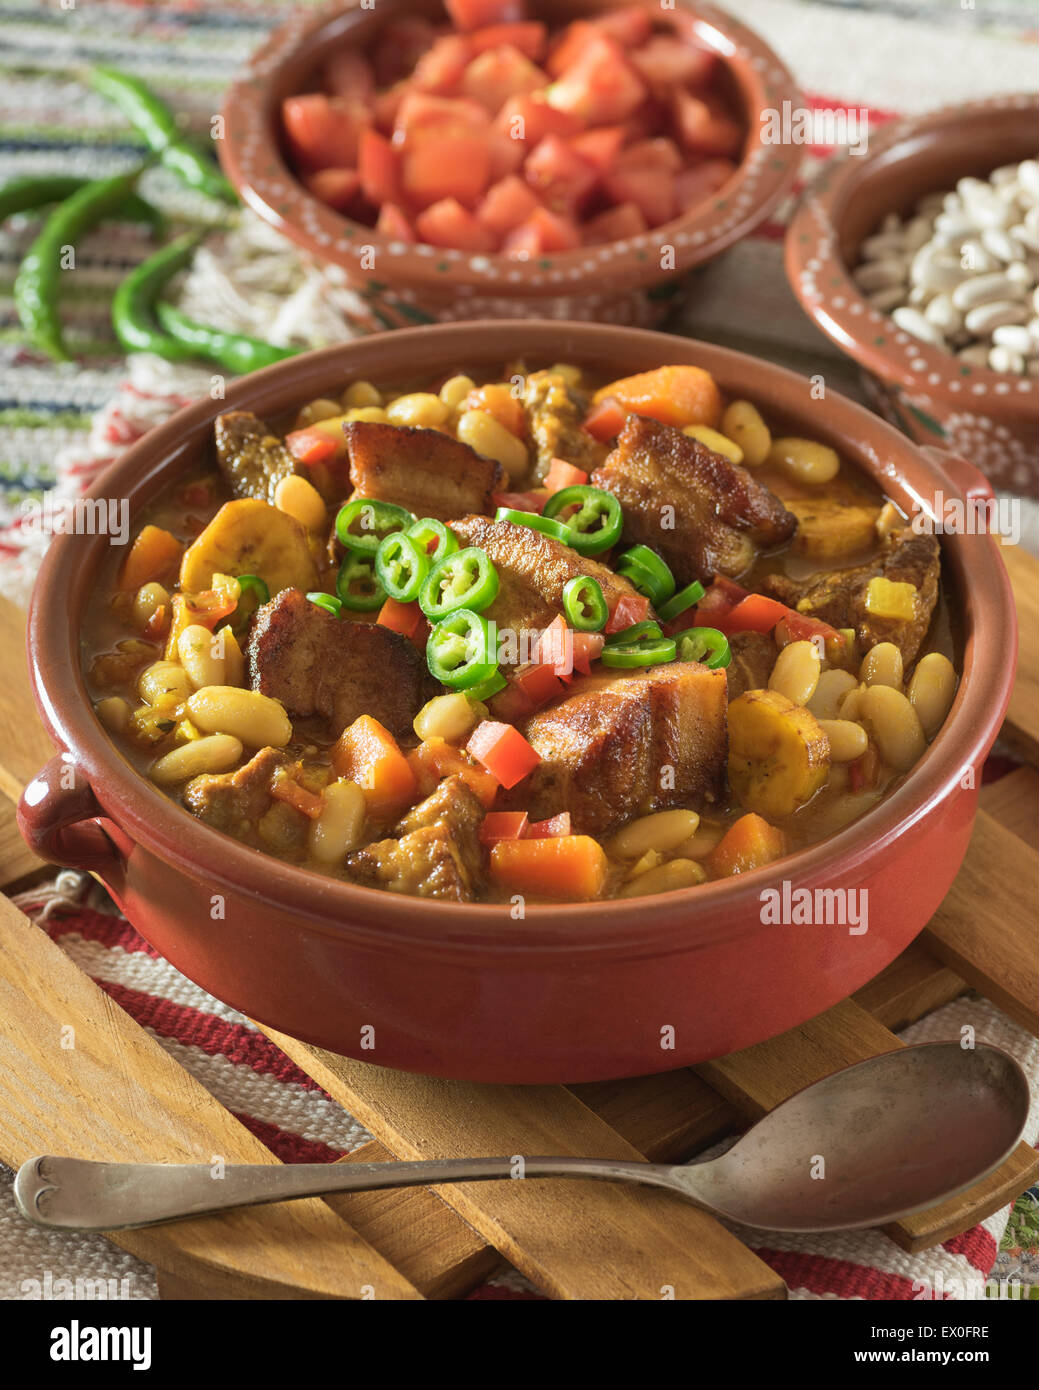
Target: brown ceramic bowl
{"x":618,"y":283}
{"x":990,"y":418}
{"x":574,"y":992}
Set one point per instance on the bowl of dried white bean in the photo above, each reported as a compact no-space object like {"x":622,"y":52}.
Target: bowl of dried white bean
{"x":920,"y":259}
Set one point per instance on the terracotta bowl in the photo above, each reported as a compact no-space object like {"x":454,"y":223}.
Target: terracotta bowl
{"x":573,"y":992}
{"x":618,"y":283}
{"x":989,"y":417}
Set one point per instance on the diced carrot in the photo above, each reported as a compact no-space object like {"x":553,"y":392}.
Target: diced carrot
{"x":314,"y":445}
{"x":539,"y":683}
{"x":502,"y":825}
{"x":435,"y":759}
{"x":404,"y":618}
{"x":503,"y":751}
{"x":587,"y":648}
{"x":549,"y":829}
{"x":605,"y":420}
{"x":755,"y":613}
{"x":564,"y":866}
{"x":681,"y":396}
{"x":502,"y":404}
{"x":368,"y":754}
{"x":154,"y":555}
{"x":629,"y":609}
{"x":530,"y":37}
{"x":562,"y":474}
{"x":337,"y":188}
{"x":378,"y":168}
{"x":288,"y":790}
{"x":746,"y":845}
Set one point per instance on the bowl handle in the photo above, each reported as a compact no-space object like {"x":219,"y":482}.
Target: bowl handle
{"x":58,"y":816}
{"x":967,"y":479}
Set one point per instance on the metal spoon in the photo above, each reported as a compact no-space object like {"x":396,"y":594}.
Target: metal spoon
{"x":862,"y":1147}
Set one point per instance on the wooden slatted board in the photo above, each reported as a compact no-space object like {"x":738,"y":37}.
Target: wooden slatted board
{"x":588,"y":1240}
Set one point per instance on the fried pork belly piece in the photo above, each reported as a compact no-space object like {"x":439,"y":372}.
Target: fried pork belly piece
{"x":428,"y":472}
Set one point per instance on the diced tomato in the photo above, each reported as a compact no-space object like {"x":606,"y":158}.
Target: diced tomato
{"x":421,"y":114}
{"x":600,"y":86}
{"x":539,"y":683}
{"x":385,"y":106}
{"x":659,"y":152}
{"x":605,"y":420}
{"x":511,"y":704}
{"x":522,"y":501}
{"x":158,"y":623}
{"x":323,"y":131}
{"x":440,"y":69}
{"x":599,"y":147}
{"x":548,"y":829}
{"x":506,"y":204}
{"x":209,"y":606}
{"x":629,"y":609}
{"x":864,"y":771}
{"x":378,"y":167}
{"x":507,"y":155}
{"x":530,"y":38}
{"x":337,"y":188}
{"x":502,"y":825}
{"x":666,"y":62}
{"x":393,"y":222}
{"x":630,"y":25}
{"x":556,"y":648}
{"x":502,"y":404}
{"x":455,"y":167}
{"x":562,"y":474}
{"x":542,"y":233}
{"x":568,"y":46}
{"x":616,"y":224}
{"x":313,"y":444}
{"x":706,"y":130}
{"x":400,"y":46}
{"x":435,"y":758}
{"x":503,"y":751}
{"x":448,"y":223}
{"x":587,"y":648}
{"x":478,"y":14}
{"x":651,"y":187}
{"x":499,"y":70}
{"x":755,"y":613}
{"x":348,"y":74}
{"x":405,"y":618}
{"x":560,"y":177}
{"x":798,"y":627}
{"x":720,"y":599}
{"x":694,"y":186}
{"x":528,"y":119}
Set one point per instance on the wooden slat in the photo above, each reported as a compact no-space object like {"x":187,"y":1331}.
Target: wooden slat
{"x":17,"y":861}
{"x":914,"y":984}
{"x":115,"y":1094}
{"x":1022,"y":722}
{"x":23,"y":740}
{"x":666,"y":1117}
{"x":1013,"y":800}
{"x":572,"y":1239}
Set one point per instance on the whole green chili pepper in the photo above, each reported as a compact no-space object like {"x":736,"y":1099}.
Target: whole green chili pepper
{"x":132,"y":306}
{"x":157,"y":123}
{"x":25,"y":194}
{"x":36,"y":286}
{"x":234,"y":351}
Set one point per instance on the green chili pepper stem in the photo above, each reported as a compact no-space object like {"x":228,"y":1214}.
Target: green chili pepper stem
{"x":234,"y":351}
{"x":27,"y":194}
{"x":38,"y":279}
{"x":132,"y":303}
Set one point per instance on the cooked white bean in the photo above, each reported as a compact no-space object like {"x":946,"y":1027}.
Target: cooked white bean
{"x":932,"y":689}
{"x":256,"y":719}
{"x":743,"y":423}
{"x":298,"y":498}
{"x":986,"y":317}
{"x":448,"y":717}
{"x":882,"y":665}
{"x":340,"y":826}
{"x":203,"y":654}
{"x":320,"y":409}
{"x":482,"y":432}
{"x":893,"y":724}
{"x":234,"y":658}
{"x":455,"y":389}
{"x":676,"y":873}
{"x":361,"y":394}
{"x":848,"y":741}
{"x":715,"y":441}
{"x":796,"y":672}
{"x":164,"y":683}
{"x":806,"y":460}
{"x":848,"y":706}
{"x":663,"y":831}
{"x":420,"y":409}
{"x":114,"y":713}
{"x":214,"y":754}
{"x":830,"y":690}
{"x":147,"y":602}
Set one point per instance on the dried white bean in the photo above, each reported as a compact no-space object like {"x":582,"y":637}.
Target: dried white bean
{"x":880,"y":275}
{"x":885,"y":300}
{"x":983,"y":289}
{"x":912,"y":321}
{"x":986,"y":317}
{"x":999,"y":244}
{"x":1028,"y":176}
{"x":1004,"y":359}
{"x":942,"y":312}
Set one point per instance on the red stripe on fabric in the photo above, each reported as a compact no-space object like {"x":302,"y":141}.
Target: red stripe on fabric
{"x":109,"y":930}
{"x":977,"y":1246}
{"x":877,"y":114}
{"x":217,"y":1038}
{"x":820,"y":1274}
{"x":289,"y":1147}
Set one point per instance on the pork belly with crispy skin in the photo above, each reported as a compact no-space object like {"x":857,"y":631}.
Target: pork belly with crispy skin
{"x":428,"y":472}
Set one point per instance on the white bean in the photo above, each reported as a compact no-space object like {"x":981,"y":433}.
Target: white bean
{"x":880,"y":275}
{"x":796,"y":672}
{"x":1004,"y":359}
{"x":1014,"y":336}
{"x":830,"y":689}
{"x":989,"y":316}
{"x":199,"y":755}
{"x":882,"y":665}
{"x":984,"y":289}
{"x":847,"y":740}
{"x":256,"y":719}
{"x":932,"y":690}
{"x":893,"y":723}
{"x":340,"y":826}
{"x":202,"y":654}
{"x":996,"y":241}
{"x":663,"y":831}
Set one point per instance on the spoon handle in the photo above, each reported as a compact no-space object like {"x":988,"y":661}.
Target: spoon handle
{"x":73,"y":1194}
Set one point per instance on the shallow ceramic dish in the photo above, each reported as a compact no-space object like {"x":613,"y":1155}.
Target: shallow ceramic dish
{"x":991,"y":418}
{"x":618,"y":283}
{"x":573,"y":992}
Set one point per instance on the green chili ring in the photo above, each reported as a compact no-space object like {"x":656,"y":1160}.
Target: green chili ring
{"x":685,"y":598}
{"x":584,"y":604}
{"x":378,"y":520}
{"x":594,"y":505}
{"x":649,"y":627}
{"x":467,"y":579}
{"x":458,"y":652}
{"x":648,"y":651}
{"x":401,"y":567}
{"x":488,"y":688}
{"x":427,"y":529}
{"x":647,"y":572}
{"x":558,"y":530}
{"x":328,"y":602}
{"x":359,"y":569}
{"x":704,"y":644}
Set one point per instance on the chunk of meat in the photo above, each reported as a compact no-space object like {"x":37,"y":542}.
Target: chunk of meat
{"x":428,"y":472}
{"x":839,"y":597}
{"x":533,"y":569}
{"x":753,"y":657}
{"x":317,"y":664}
{"x":832,"y":530}
{"x":703,"y":514}
{"x":236,"y":801}
{"x":250,"y":456}
{"x":618,"y":748}
{"x":438,"y":852}
{"x":554,"y":411}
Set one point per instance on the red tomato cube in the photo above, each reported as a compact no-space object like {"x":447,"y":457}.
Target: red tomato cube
{"x":657,"y":153}
{"x":455,"y":165}
{"x":348,"y":74}
{"x":705,"y":129}
{"x":323,"y":131}
{"x":399,"y":47}
{"x":386,"y":105}
{"x":393,"y":223}
{"x":506,"y":204}
{"x":542,"y":233}
{"x":478,"y":14}
{"x":560,"y":177}
{"x":530,"y":38}
{"x":631,"y":25}
{"x":650,"y":187}
{"x":667,"y":62}
{"x":503,"y":69}
{"x":600,"y":86}
{"x":336,"y":187}
{"x":378,"y":166}
{"x":421,"y":113}
{"x":448,"y":223}
{"x":503,"y":751}
{"x":615,"y":224}
{"x":440,"y":69}
{"x":599,"y":147}
{"x":529,"y":118}
{"x":694,"y":186}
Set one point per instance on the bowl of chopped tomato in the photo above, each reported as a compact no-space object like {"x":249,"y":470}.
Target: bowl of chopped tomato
{"x":505,"y":158}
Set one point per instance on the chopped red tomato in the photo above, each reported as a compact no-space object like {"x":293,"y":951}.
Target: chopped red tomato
{"x":630,"y":609}
{"x":796,"y":627}
{"x":440,"y":69}
{"x":448,"y":223}
{"x":503,"y":751}
{"x":400,"y":46}
{"x":720,"y":599}
{"x":541,"y":234}
{"x":704,"y":129}
{"x":453,"y":166}
{"x":312,"y":445}
{"x":421,"y":114}
{"x":405,"y":618}
{"x":498,"y":70}
{"x":605,"y":420}
{"x":530,"y":37}
{"x":521,"y":501}
{"x":556,"y":648}
{"x":694,"y":186}
{"x":630,"y":25}
{"x":323,"y":131}
{"x":587,"y":648}
{"x":378,"y":167}
{"x":549,"y":829}
{"x":755,"y":613}
{"x":539,"y":683}
{"x":667,"y":62}
{"x":600,"y":147}
{"x":502,"y":825}
{"x":393,"y":222}
{"x":478,"y":14}
{"x":511,"y":704}
{"x":649,"y":184}
{"x":507,"y":204}
{"x":348,"y":73}
{"x":528,"y":119}
{"x":562,"y":474}
{"x":337,"y":188}
{"x":600,"y":86}
{"x":560,"y":176}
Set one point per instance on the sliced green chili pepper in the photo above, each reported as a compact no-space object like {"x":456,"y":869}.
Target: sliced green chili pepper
{"x":253,"y":592}
{"x":433,"y":538}
{"x":401,"y":567}
{"x":488,"y":688}
{"x":647,"y":572}
{"x":458,"y":651}
{"x":234,"y":351}
{"x":357,"y":585}
{"x":597,"y":522}
{"x":375,"y":521}
{"x":533,"y":522}
{"x":584,"y":604}
{"x":25,"y":194}
{"x":466,"y":579}
{"x":326,"y":601}
{"x":647,"y":651}
{"x":647,"y":628}
{"x":704,"y":644}
{"x":685,"y":598}
{"x":36,"y":287}
{"x":157,"y":123}
{"x":132,"y":304}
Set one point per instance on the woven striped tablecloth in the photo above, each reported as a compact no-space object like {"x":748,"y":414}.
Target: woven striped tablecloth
{"x":61,"y":425}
